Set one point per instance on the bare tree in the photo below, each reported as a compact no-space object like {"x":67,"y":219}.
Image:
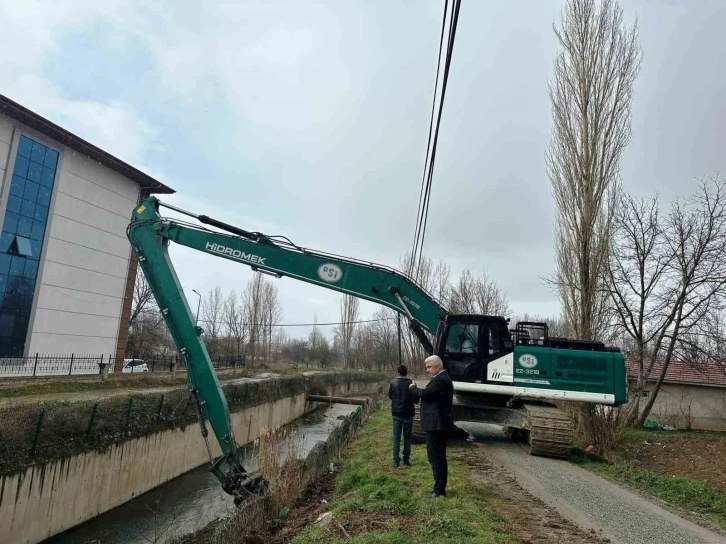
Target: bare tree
{"x":282,"y":339}
{"x":461,"y":295}
{"x":148,"y":334}
{"x":234,"y":319}
{"x":364,"y":349}
{"x":706,"y":345}
{"x":348,"y":317}
{"x":383,"y":332}
{"x":638,"y":263}
{"x":591,"y":99}
{"x":440,"y":283}
{"x":413,"y":352}
{"x":490,"y":298}
{"x":478,"y":295}
{"x":667,"y":279}
{"x":297,"y":351}
{"x":212,"y":311}
{"x":143,"y":300}
{"x":555,"y":324}
{"x":271,"y":311}
{"x":252,"y":304}
{"x":434,"y":278}
{"x":320,"y":351}
{"x":696,"y":232}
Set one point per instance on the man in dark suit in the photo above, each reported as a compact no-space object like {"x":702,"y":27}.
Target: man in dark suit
{"x":402,"y":410}
{"x":436,"y":420}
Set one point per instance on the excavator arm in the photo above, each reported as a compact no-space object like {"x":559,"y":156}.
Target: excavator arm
{"x":150,"y":235}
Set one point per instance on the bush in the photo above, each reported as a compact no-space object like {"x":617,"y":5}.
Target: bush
{"x":599,"y":426}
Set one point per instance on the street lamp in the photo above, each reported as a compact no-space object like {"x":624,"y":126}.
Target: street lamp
{"x":196,"y":319}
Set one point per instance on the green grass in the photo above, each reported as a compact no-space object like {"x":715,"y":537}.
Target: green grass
{"x":392,"y":505}
{"x":694,"y":495}
{"x":54,"y":386}
{"x":88,"y":383}
{"x":76,"y":384}
{"x":639,"y":435}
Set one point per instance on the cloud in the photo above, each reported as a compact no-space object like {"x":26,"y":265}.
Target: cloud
{"x":36,"y":31}
{"x":113,"y":126}
{"x":310,"y":120}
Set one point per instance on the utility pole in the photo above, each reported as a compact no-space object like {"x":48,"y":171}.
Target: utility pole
{"x":398,"y":320}
{"x":196,"y":319}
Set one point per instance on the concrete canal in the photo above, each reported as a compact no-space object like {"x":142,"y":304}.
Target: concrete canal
{"x":188,"y":502}
{"x":67,"y":465}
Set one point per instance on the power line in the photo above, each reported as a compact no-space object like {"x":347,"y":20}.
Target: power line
{"x":208,"y":321}
{"x":421,"y":196}
{"x":425,"y":195}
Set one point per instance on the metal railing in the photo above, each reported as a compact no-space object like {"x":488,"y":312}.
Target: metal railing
{"x":70,"y":365}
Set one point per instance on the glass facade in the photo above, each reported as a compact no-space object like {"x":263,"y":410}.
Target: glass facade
{"x":23,"y":230}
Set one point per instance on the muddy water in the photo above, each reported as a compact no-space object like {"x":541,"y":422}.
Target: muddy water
{"x":188,"y":502}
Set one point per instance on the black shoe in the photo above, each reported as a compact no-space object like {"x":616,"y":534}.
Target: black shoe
{"x":433,"y":495}
{"x":406,"y":463}
{"x":395,"y":465}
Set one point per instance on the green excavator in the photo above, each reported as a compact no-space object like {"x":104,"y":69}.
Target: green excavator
{"x":510,"y":377}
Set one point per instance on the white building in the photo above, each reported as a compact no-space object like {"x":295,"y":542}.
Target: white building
{"x":66,"y":267}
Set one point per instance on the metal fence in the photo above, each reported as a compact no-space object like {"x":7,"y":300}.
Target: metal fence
{"x":43,"y":431}
{"x":71,"y":365}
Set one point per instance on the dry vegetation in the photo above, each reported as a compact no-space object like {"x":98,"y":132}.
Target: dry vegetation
{"x":293,"y":482}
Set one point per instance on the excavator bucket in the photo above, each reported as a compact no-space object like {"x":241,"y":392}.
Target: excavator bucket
{"x":249,"y":487}
{"x":236,"y":481}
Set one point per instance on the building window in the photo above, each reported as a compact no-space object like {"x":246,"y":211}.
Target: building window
{"x":21,"y":240}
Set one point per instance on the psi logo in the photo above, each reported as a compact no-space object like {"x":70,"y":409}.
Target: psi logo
{"x":329,"y":272}
{"x":528,"y":361}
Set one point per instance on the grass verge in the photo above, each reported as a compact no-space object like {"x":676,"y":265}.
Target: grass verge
{"x":46,"y":385}
{"x":638,"y":435}
{"x":697,"y":496}
{"x":78,"y":384}
{"x":377,"y":504}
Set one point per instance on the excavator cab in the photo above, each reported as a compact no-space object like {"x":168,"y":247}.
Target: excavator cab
{"x":466,"y":344}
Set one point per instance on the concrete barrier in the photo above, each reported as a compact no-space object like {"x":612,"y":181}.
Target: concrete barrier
{"x":44,"y":500}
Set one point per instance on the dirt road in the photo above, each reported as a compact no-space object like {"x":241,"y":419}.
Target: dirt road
{"x":593,"y":503}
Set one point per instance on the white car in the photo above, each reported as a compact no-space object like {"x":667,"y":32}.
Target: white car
{"x":132,"y":366}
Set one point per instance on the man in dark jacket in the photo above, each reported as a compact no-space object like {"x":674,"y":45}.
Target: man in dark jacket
{"x":403,"y":410}
{"x":437,"y":420}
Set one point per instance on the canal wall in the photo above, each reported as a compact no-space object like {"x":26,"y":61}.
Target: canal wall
{"x":46,"y":498}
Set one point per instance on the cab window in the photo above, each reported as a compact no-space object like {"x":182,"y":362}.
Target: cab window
{"x":492,"y":340}
{"x":462,"y":339}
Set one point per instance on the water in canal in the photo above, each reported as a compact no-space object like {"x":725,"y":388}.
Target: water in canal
{"x":188,"y":502}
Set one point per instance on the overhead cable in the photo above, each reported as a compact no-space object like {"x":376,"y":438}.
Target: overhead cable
{"x":425,"y":194}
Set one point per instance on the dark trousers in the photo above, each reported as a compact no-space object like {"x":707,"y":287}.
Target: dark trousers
{"x":402,"y":425}
{"x":436,"y":450}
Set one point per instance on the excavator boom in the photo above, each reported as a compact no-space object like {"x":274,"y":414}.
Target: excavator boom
{"x":150,"y":235}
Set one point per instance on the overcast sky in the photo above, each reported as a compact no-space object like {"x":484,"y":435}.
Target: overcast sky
{"x":309,"y":119}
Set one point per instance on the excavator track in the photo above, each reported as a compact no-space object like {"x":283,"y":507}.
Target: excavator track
{"x":550,"y":431}
{"x":546,"y":430}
